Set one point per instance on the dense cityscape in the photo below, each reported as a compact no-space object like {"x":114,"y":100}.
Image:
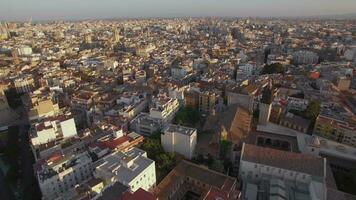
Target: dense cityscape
{"x":178,"y":108}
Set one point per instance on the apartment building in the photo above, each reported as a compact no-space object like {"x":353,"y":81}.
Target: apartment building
{"x":335,"y":129}
{"x":131,"y":168}
{"x":60,"y":173}
{"x":179,"y":139}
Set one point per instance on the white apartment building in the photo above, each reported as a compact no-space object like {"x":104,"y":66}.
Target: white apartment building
{"x":53,"y":128}
{"x":179,"y":139}
{"x":283,"y":174}
{"x":164,"y":108}
{"x":131,"y":168}
{"x":61,"y":173}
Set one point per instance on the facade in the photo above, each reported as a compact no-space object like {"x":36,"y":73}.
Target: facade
{"x":143,"y":124}
{"x":305,"y":57}
{"x":336,"y":130}
{"x":191,"y":99}
{"x":265,"y":112}
{"x":281,"y":174}
{"x":164,"y":109}
{"x":131,"y":168}
{"x":295,"y":122}
{"x":61,"y":173}
{"x":343,"y":83}
{"x":179,"y":139}
{"x":24,"y":51}
{"x":24,"y":84}
{"x":207,"y":101}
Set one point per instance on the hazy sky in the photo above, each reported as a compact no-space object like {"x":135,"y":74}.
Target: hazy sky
{"x":81,"y":9}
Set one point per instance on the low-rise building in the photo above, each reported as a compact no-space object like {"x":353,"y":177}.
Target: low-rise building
{"x":132,"y":168}
{"x":143,"y":124}
{"x":281,"y":174}
{"x":191,"y":179}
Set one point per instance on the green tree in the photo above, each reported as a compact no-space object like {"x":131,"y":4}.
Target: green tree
{"x":166,"y":161}
{"x":313,"y":110}
{"x":152,"y":147}
{"x":275,"y":68}
{"x":188,"y":116}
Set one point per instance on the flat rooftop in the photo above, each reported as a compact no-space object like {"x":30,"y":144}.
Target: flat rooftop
{"x":180,"y":129}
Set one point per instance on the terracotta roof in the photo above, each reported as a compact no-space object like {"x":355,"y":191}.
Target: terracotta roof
{"x":138,"y":195}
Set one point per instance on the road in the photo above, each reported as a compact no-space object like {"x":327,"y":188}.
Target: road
{"x":26,"y":160}
{"x":5,"y":191}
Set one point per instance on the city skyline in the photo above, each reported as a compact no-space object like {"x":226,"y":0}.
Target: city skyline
{"x":90,"y":9}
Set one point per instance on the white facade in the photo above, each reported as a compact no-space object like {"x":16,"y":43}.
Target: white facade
{"x":57,"y":178}
{"x":165,"y":110}
{"x":179,"y":139}
{"x":131,"y":168}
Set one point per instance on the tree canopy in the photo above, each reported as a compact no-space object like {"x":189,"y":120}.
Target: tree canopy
{"x":187,"y":116}
{"x":275,"y":68}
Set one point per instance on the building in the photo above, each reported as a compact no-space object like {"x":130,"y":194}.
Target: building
{"x":179,"y":139}
{"x":140,"y":77}
{"x":336,"y":129}
{"x":24,"y":84}
{"x":53,"y":128}
{"x":305,"y":57}
{"x":343,"y":83}
{"x":24,"y":51}
{"x":143,"y":124}
{"x":295,"y":122}
{"x":207,"y":101}
{"x":42,"y":109}
{"x":191,"y":181}
{"x":59,"y":173}
{"x":191,"y":99}
{"x":164,"y":108}
{"x":265,"y":113}
{"x":274,"y":174}
{"x":131,"y":168}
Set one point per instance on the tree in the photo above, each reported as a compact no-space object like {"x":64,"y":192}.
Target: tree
{"x":313,"y":110}
{"x":166,"y":161}
{"x":275,"y":68}
{"x":188,"y":116}
{"x":152,"y":147}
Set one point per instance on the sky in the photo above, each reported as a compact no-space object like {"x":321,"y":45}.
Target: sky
{"x":98,"y":9}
